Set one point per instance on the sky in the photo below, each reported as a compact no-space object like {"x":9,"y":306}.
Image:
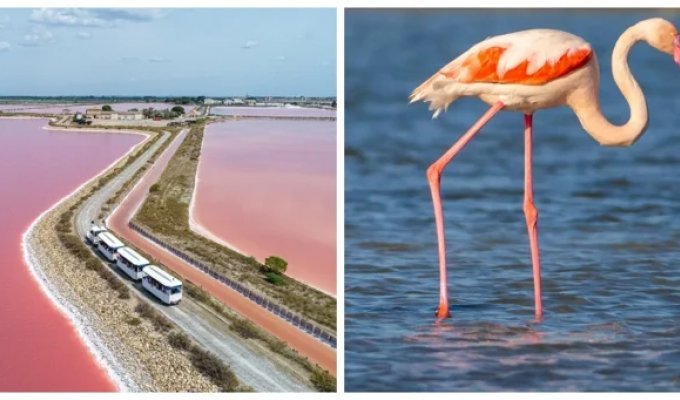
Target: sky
{"x":168,"y":52}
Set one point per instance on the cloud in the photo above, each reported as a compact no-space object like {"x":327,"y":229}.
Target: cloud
{"x":4,"y":22}
{"x":158,"y":60}
{"x":92,"y":17}
{"x":83,"y":35}
{"x":4,"y":46}
{"x":34,"y":39}
{"x":249,"y":44}
{"x":280,"y":58}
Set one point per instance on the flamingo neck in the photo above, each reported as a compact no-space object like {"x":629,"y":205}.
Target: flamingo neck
{"x":589,"y":112}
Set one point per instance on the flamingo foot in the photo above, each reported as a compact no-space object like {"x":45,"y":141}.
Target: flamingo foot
{"x":442,"y":311}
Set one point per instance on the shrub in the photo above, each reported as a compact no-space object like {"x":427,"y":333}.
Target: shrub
{"x":154,"y":188}
{"x":275,"y":279}
{"x":134,"y":321}
{"x":196,"y":292}
{"x":92,"y":264}
{"x":277,"y":346}
{"x":211,"y":366}
{"x":179,"y":341}
{"x":323,"y":381}
{"x":159,"y":322}
{"x":245,"y":328}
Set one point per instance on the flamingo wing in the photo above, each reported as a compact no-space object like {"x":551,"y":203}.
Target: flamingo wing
{"x":531,"y":57}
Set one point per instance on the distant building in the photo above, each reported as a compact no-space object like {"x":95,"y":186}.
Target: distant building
{"x":233,"y":102}
{"x":211,"y":101}
{"x":96,"y":113}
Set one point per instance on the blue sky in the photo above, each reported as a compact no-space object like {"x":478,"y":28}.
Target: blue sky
{"x":213,"y":52}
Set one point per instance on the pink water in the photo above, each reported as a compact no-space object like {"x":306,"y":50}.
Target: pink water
{"x":39,"y":348}
{"x":268,"y":187}
{"x":274,"y":111}
{"x":37,"y":108}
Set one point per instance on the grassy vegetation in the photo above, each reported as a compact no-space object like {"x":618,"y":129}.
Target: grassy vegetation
{"x":165,"y":213}
{"x":179,"y":341}
{"x":204,"y":362}
{"x":160,"y":323}
{"x":319,"y":377}
{"x":323,"y":381}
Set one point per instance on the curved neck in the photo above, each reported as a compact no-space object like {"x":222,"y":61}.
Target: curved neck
{"x":588,"y":109}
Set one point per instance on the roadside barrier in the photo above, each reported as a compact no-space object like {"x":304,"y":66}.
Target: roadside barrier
{"x":291,"y":317}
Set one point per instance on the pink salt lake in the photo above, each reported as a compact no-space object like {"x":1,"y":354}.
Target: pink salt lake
{"x":268,"y":187}
{"x":39,"y":348}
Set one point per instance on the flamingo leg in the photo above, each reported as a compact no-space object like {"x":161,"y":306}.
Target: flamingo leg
{"x":531,"y":213}
{"x":434,"y":173}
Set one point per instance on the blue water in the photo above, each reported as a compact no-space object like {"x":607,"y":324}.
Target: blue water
{"x":609,"y":225}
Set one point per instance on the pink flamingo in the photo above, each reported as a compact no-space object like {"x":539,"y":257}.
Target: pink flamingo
{"x":531,"y":70}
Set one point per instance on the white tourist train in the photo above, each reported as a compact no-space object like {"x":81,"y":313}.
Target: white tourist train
{"x":131,"y":262}
{"x":108,"y":245}
{"x":93,"y":233}
{"x":159,"y":283}
{"x":164,"y":286}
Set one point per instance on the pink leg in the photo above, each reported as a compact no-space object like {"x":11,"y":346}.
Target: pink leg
{"x":531,"y":213}
{"x":434,"y":173}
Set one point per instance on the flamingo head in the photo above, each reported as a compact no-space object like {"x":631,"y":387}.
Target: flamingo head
{"x":663,"y":36}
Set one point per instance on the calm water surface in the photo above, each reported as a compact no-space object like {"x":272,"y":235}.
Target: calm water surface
{"x":609,"y":225}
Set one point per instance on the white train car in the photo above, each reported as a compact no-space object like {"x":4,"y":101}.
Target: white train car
{"x":92,"y":235}
{"x":132,"y":263}
{"x":108,"y":245}
{"x":164,"y":286}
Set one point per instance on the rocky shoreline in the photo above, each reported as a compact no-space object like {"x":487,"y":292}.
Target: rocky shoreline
{"x":136,"y":356}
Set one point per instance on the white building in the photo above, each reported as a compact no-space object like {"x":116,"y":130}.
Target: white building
{"x":233,"y":102}
{"x":96,"y":113}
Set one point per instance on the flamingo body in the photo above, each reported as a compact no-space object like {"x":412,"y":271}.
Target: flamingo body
{"x":516,"y":68}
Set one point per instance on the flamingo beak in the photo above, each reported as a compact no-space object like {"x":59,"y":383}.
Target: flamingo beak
{"x":676,"y":49}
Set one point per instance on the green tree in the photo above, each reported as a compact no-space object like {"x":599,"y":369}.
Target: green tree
{"x":178,"y":109}
{"x":106,"y":107}
{"x":276,"y":264}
